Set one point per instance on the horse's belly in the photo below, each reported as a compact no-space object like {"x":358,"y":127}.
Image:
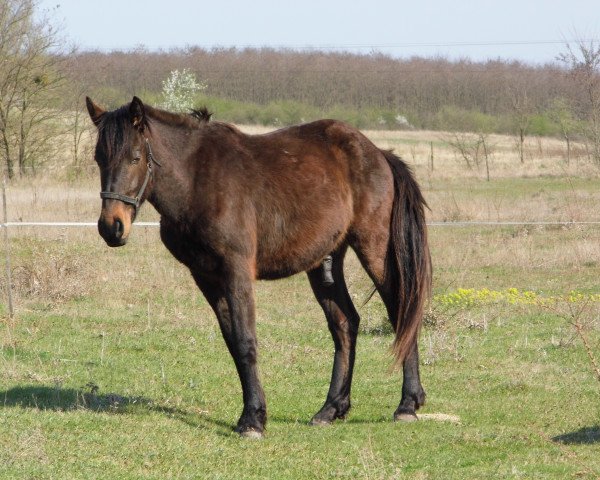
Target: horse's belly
{"x":285,"y":252}
{"x":276,"y":268}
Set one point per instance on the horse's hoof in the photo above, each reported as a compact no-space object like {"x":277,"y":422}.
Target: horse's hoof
{"x":405,"y":417}
{"x":317,"y":422}
{"x":252,"y":434}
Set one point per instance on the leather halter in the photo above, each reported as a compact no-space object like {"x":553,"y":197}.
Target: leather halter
{"x":137,"y":200}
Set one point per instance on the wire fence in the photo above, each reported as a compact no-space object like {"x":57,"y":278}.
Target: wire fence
{"x":67,"y":224}
{"x":474,"y":223}
{"x":6,"y":225}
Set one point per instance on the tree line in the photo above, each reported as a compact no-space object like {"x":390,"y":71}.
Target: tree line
{"x":421,"y":89}
{"x":42,"y":88}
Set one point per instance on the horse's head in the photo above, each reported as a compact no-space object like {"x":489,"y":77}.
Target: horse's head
{"x":125,"y":160}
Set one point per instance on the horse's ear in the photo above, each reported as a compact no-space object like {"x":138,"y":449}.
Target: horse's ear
{"x":137,"y":113}
{"x":94,"y":110}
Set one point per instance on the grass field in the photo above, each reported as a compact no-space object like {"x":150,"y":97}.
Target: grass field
{"x":114,"y":367}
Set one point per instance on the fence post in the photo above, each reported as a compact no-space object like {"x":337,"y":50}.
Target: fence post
{"x":431,"y":156}
{"x":7,"y":251}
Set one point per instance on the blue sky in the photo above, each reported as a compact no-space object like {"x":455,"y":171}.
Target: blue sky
{"x":531,"y":31}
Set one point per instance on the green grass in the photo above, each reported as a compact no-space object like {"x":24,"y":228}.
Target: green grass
{"x":167,"y":398}
{"x":129,"y":378}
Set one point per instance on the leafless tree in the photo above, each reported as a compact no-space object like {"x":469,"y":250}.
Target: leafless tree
{"x":470,"y":148}
{"x":522,"y":120}
{"x":78,"y":127}
{"x":29,"y":84}
{"x":583,"y":62}
{"x":561,"y":113}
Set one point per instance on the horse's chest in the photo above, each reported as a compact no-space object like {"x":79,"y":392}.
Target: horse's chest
{"x":189,"y":251}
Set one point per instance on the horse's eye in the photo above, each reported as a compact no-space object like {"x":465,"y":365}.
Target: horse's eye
{"x":137,"y":155}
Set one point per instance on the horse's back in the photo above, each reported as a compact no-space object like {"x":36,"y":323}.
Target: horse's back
{"x":326,"y":152}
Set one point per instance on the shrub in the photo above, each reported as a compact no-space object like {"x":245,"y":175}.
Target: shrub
{"x":451,"y":118}
{"x":541,"y":124}
{"x":179,"y":90}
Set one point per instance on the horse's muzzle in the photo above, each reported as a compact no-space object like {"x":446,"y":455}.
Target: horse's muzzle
{"x":114,"y":230}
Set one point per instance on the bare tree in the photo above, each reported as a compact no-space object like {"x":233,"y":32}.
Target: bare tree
{"x":78,"y":128}
{"x":561,"y":113}
{"x":29,"y":83}
{"x":76,"y":118}
{"x":471,"y":148}
{"x":583,"y":62}
{"x":522,"y":113}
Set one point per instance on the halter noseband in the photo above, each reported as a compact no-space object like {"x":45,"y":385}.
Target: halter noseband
{"x":137,"y":200}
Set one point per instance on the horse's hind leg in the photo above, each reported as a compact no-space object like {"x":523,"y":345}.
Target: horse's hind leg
{"x":343,"y":320}
{"x":372,"y":255}
{"x":413,"y":395}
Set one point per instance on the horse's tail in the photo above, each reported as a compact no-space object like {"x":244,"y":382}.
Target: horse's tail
{"x":408,"y":261}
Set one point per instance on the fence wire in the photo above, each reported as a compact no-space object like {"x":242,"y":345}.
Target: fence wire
{"x":7,"y":225}
{"x":430,"y":224}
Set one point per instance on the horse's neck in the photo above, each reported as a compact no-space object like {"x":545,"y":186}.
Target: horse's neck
{"x":172,"y":180}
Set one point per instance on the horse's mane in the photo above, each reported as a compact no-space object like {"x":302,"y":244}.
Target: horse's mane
{"x":201,"y":114}
{"x":193,"y":119}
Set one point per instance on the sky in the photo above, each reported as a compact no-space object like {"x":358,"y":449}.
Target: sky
{"x":531,"y":31}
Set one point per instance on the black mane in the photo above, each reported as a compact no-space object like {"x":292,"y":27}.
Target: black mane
{"x":201,"y":114}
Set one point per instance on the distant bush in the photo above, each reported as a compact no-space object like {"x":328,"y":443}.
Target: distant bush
{"x":179,"y":90}
{"x":542,"y":124}
{"x":280,"y":113}
{"x":451,"y":118}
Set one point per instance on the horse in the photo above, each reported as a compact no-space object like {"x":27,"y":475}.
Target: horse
{"x":235,"y":208}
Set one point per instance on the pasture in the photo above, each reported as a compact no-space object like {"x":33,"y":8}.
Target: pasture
{"x":114,"y":366}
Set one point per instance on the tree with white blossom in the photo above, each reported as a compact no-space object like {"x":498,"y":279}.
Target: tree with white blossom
{"x":179,"y":90}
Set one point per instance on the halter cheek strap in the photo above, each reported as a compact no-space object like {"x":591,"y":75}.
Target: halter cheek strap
{"x":137,"y":200}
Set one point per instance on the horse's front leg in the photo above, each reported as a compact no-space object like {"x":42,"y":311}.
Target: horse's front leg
{"x":343,"y":321}
{"x":232,"y":299}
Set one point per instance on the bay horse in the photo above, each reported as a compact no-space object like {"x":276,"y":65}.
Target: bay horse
{"x":235,"y":208}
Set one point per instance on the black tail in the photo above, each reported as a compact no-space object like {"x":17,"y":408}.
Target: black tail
{"x":408,"y":262}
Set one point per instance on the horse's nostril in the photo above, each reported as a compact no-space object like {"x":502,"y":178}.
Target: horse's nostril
{"x":119,"y":229}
